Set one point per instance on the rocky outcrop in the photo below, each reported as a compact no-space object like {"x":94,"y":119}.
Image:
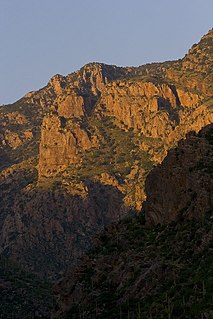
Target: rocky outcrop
{"x":96,"y":75}
{"x":72,"y":106}
{"x":58,"y":83}
{"x":59,"y":145}
{"x":154,"y":110}
{"x":182,"y":186}
{"x":12,"y":139}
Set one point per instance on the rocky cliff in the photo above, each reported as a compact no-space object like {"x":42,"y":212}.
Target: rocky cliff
{"x":74,"y":155}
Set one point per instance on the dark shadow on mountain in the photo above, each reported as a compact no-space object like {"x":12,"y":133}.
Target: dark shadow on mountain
{"x":4,"y":159}
{"x":181,"y":187}
{"x":165,"y":105}
{"x":174,"y":91}
{"x":46,"y":230}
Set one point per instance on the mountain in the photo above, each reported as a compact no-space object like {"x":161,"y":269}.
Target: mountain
{"x":160,"y":266}
{"x":75,"y":155}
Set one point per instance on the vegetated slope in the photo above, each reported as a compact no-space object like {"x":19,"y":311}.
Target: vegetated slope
{"x":159,"y":266}
{"x":23,"y":295}
{"x":75,"y":154}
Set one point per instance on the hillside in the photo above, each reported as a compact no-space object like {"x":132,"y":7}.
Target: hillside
{"x":75,"y":155}
{"x":23,"y":295}
{"x":135,"y":272}
{"x":159,"y":266}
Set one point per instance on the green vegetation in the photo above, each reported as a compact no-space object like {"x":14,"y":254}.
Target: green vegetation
{"x":32,"y":112}
{"x":29,"y":149}
{"x":117,"y":152}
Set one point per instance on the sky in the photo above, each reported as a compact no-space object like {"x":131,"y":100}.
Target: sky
{"x":40,"y":38}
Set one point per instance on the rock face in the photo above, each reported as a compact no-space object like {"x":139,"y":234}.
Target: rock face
{"x":155,"y":110}
{"x":182,"y":186}
{"x":60,"y":145}
{"x":86,"y":141}
{"x":72,"y":106}
{"x":57,"y":147}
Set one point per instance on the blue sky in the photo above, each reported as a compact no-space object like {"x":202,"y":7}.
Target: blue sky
{"x":40,"y":38}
